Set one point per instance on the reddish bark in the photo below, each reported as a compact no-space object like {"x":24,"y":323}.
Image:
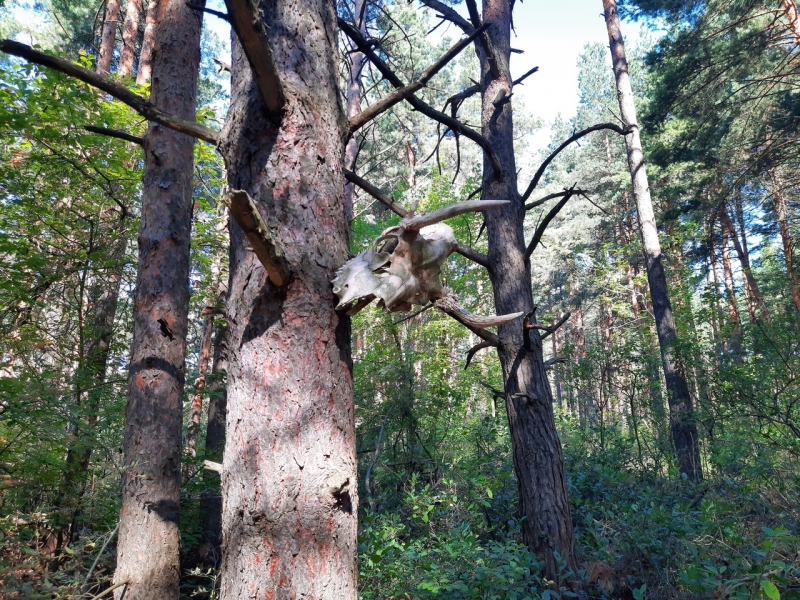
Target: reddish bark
{"x":289,"y":468}
{"x":147,"y":550}
{"x":146,"y":53}
{"x":108,"y":38}
{"x":786,"y":237}
{"x":754,"y":297}
{"x":353,"y":98}
{"x":130,"y":31}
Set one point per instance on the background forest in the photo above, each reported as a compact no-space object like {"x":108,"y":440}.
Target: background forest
{"x":717,"y":86}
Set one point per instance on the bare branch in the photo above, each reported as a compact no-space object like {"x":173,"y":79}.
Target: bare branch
{"x":540,"y":201}
{"x":549,"y":330}
{"x":519,"y":80}
{"x":457,"y":126}
{"x":404,"y":92}
{"x":245,"y":213}
{"x":494,"y":390}
{"x":472,"y":351}
{"x":209,"y":465}
{"x":446,"y":12}
{"x":148,"y":110}
{"x":535,"y":181}
{"x":115,"y":133}
{"x":375,"y":193}
{"x":537,"y":236}
{"x":216,"y":13}
{"x":247,"y":23}
{"x":472,"y":254}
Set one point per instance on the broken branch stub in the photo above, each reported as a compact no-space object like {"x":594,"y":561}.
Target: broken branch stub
{"x":402,"y":268}
{"x":245,"y":213}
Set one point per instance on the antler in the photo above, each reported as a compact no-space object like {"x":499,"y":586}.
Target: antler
{"x":449,"y":304}
{"x":448,"y":212}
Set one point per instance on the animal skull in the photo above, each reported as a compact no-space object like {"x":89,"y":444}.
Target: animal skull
{"x":402,"y":268}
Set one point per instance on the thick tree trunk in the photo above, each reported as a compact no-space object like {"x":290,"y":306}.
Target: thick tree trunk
{"x":755,"y":299}
{"x":289,"y":470}
{"x":108,"y":38}
{"x":537,"y":453}
{"x":684,"y":429}
{"x":786,"y":237}
{"x":147,"y":549}
{"x":130,"y":31}
{"x":790,"y":10}
{"x":146,"y":54}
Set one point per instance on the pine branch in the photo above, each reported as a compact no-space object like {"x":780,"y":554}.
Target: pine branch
{"x":148,"y":110}
{"x":115,"y":133}
{"x":404,"y":92}
{"x":537,"y":236}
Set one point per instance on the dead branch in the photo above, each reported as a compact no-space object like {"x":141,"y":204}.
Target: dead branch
{"x":554,"y":361}
{"x":375,"y":193}
{"x":472,"y":351}
{"x":535,"y":181}
{"x":457,"y":126}
{"x":216,"y":13}
{"x":404,"y":92}
{"x":472,"y":254}
{"x":148,"y":110}
{"x":540,"y":201}
{"x":519,"y":80}
{"x":247,"y":24}
{"x":474,"y":323}
{"x":245,"y":213}
{"x":548,"y":330}
{"x":222,"y":66}
{"x":537,"y":236}
{"x":446,"y":12}
{"x":494,"y":390}
{"x":115,"y":133}
{"x":212,"y":466}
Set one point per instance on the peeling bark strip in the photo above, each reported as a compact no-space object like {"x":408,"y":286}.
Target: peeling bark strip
{"x":684,"y":429}
{"x":149,"y":539}
{"x":245,"y":213}
{"x":289,"y":467}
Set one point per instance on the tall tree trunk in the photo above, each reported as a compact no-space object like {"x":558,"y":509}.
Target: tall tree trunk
{"x":289,"y":470}
{"x":537,"y":453}
{"x":147,"y":549}
{"x":108,"y":38}
{"x":130,"y":32}
{"x":756,"y":300}
{"x":145,"y":68}
{"x":353,"y":98}
{"x":790,"y":10}
{"x":786,"y":237}
{"x":730,"y":293}
{"x":684,"y":428}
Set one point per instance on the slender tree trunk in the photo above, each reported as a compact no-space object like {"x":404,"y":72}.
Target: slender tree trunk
{"x":353,"y":97}
{"x":211,"y":499}
{"x":537,"y":452}
{"x":289,"y":470}
{"x":755,"y":298}
{"x":108,"y":38}
{"x":147,"y":549}
{"x":730,"y":293}
{"x":196,"y":407}
{"x":130,"y":33}
{"x":684,"y":429}
{"x":148,"y":41}
{"x":786,"y":237}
